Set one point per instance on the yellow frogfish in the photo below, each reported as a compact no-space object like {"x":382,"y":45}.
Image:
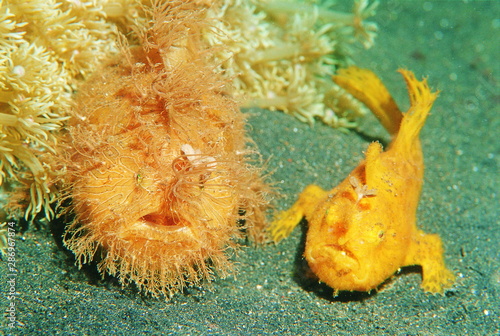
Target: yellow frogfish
{"x":362,"y":231}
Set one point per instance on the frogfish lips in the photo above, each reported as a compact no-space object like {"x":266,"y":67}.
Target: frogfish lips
{"x":331,"y":261}
{"x":338,"y":267}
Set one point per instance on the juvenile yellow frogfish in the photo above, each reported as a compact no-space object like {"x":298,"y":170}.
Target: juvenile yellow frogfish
{"x":362,"y":231}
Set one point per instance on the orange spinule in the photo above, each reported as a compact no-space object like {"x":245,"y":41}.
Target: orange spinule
{"x":158,"y":170}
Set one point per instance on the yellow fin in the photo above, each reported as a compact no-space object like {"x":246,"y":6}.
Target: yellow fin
{"x":426,"y":250}
{"x":287,"y":220}
{"x":421,"y":100}
{"x":365,"y":86}
{"x":372,"y":167}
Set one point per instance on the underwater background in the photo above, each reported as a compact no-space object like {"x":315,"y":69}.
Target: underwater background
{"x":455,"y":44}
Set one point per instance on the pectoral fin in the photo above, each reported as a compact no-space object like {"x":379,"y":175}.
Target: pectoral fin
{"x":287,"y":220}
{"x":426,"y":250}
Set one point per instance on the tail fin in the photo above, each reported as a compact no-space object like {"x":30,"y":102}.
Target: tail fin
{"x":365,"y":86}
{"x":421,"y":100}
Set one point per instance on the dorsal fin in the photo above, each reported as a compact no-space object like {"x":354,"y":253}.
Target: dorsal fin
{"x":421,"y":100}
{"x":372,"y":165}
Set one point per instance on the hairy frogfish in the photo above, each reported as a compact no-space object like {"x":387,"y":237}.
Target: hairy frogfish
{"x":158,"y":169}
{"x":362,"y":231}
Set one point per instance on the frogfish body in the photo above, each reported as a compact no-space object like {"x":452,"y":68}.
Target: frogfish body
{"x":362,"y":231}
{"x":158,"y":169}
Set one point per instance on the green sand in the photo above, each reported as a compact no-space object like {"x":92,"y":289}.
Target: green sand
{"x":455,"y":43}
